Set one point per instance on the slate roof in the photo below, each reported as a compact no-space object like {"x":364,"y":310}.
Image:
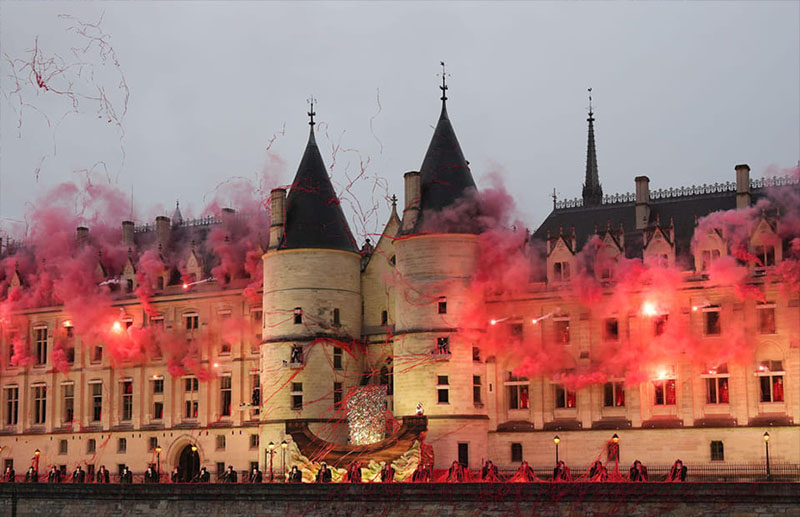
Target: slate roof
{"x":314,"y":217}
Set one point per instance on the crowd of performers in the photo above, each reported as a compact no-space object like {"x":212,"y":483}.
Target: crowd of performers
{"x":457,"y":473}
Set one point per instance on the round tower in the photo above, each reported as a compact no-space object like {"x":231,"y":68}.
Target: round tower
{"x":311,"y":307}
{"x":438,"y":361}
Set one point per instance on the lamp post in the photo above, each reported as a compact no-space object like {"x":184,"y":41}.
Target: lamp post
{"x":158,"y":462}
{"x":36,"y":455}
{"x":271,"y":450}
{"x":191,"y":463}
{"x":283,"y":458}
{"x":556,"y":440}
{"x":766,"y":445}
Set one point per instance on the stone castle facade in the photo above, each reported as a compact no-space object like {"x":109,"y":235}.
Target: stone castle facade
{"x":335,"y":316}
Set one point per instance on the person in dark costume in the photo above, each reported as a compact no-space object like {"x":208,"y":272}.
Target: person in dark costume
{"x":598,"y":472}
{"x":324,"y":475}
{"x":638,"y":472}
{"x":102,"y":475}
{"x":677,"y":472}
{"x":256,"y":476}
{"x":9,"y":476}
{"x":295,"y":475}
{"x":387,"y":473}
{"x":561,"y":472}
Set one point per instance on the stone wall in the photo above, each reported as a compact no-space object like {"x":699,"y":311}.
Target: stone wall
{"x":402,"y":499}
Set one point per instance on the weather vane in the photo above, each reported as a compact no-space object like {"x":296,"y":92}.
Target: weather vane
{"x":590,"y":101}
{"x":311,"y":100}
{"x":443,"y":87}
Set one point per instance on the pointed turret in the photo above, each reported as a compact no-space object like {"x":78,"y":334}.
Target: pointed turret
{"x":314,"y":218}
{"x":444,"y":176}
{"x":177,"y":217}
{"x":592,"y":190}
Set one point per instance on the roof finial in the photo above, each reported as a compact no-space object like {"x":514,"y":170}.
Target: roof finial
{"x":590,"y":102}
{"x":394,"y":201}
{"x":443,"y":87}
{"x":311,"y":100}
{"x":555,"y":198}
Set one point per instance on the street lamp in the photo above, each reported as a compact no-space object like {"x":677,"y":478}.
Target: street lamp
{"x":190,"y":477}
{"x":556,"y":440}
{"x":766,"y":445}
{"x":158,"y":462}
{"x":271,"y":450}
{"x":283,"y":458}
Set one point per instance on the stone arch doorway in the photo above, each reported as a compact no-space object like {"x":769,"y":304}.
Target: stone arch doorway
{"x":188,"y":464}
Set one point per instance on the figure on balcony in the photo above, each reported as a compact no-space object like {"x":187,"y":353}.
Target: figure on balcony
{"x":677,"y":472}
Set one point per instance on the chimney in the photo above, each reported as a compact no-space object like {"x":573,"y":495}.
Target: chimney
{"x":162,"y":231}
{"x":227,"y":215}
{"x":742,"y":186}
{"x":81,"y":235}
{"x":277,"y":214}
{"x":642,"y":202}
{"x":413,"y":194}
{"x":127,"y":233}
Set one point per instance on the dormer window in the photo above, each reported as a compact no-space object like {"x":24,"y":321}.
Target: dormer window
{"x":709,"y":256}
{"x":561,"y":271}
{"x":765,"y":255}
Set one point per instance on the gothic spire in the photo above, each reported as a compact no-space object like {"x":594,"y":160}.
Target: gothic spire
{"x":592,"y":190}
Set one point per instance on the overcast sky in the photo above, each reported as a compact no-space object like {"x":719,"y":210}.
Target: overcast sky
{"x":682,"y":93}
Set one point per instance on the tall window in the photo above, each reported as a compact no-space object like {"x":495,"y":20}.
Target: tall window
{"x":122,"y":445}
{"x":770,"y":375}
{"x":337,"y":358}
{"x":69,"y":345}
{"x":766,"y":318}
{"x":225,"y":395}
{"x":192,"y":321}
{"x":518,"y":394}
{"x":336,"y":318}
{"x":565,"y":398}
{"x":297,"y":395}
{"x":225,"y":345}
{"x":442,"y":306}
{"x":68,"y":403}
{"x":190,"y":393}
{"x":97,"y":354}
{"x":717,"y":385}
{"x":611,"y":329}
{"x":476,"y":389}
{"x":256,"y":321}
{"x":442,"y":389}
{"x":561,"y":271}
{"x":476,"y":354}
{"x":298,"y":316}
{"x":97,"y":401}
{"x":152,"y":443}
{"x":11,"y":395}
{"x":91,"y":446}
{"x":127,"y":401}
{"x":40,"y":342}
{"x":665,"y":389}
{"x":337,"y":393}
{"x":255,"y":393}
{"x":220,"y":442}
{"x":614,"y":394}
{"x":158,"y":399}
{"x":561,"y":327}
{"x":384,"y":318}
{"x":63,"y":446}
{"x":39,"y":404}
{"x":713,"y":325}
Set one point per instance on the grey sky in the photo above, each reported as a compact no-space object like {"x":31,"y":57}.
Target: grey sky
{"x":682,"y":92}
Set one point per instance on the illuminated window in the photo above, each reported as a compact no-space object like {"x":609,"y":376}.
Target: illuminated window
{"x":614,"y":394}
{"x":443,"y":389}
{"x":766,"y":318}
{"x":770,"y":376}
{"x":565,"y":398}
{"x":713,"y":326}
{"x":225,"y":346}
{"x":664,"y":388}
{"x":518,"y":392}
{"x":717,"y":385}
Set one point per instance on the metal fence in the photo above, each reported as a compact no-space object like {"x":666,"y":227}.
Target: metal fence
{"x":719,"y":472}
